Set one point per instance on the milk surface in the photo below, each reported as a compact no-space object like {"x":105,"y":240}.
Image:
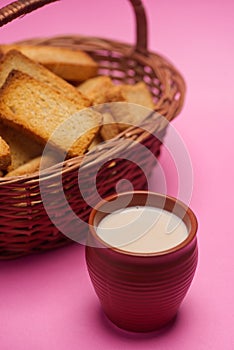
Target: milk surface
{"x":142,"y":229}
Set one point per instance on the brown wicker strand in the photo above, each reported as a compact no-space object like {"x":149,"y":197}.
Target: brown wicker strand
{"x":20,"y":8}
{"x":141,"y":26}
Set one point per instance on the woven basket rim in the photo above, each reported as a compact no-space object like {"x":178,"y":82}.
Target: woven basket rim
{"x":132,"y":50}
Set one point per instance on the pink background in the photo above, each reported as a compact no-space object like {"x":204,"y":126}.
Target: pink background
{"x":47,"y":301}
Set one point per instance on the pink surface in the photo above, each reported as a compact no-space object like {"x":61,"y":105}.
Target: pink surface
{"x":46,"y":301}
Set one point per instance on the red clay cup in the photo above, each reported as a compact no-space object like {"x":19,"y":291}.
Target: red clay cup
{"x":141,"y":292}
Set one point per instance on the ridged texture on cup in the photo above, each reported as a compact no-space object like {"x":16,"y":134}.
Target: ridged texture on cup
{"x":141,"y":293}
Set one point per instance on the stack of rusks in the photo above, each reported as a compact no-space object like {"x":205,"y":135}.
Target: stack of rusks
{"x":45,"y":88}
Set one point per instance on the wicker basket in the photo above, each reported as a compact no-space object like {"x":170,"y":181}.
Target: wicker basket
{"x":25,"y":226}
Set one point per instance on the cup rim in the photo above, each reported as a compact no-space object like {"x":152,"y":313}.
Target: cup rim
{"x":191,"y":235}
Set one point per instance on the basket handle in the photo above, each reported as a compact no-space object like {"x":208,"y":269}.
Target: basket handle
{"x":22,"y":7}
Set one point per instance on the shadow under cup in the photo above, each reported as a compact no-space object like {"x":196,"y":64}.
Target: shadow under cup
{"x":141,"y":292}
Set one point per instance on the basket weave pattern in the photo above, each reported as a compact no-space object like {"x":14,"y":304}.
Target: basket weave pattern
{"x":24,"y":223}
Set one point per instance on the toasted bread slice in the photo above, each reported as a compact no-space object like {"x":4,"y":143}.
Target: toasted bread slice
{"x":45,"y":114}
{"x":139,"y":102}
{"x":97,"y":89}
{"x":15,"y":60}
{"x":101,"y":90}
{"x":96,"y":141}
{"x":5,"y":155}
{"x":32,"y":166}
{"x":138,"y":94}
{"x":109,"y":128}
{"x":22,"y":147}
{"x":69,"y":64}
{"x":28,"y":168}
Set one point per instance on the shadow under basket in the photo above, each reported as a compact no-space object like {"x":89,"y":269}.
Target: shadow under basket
{"x":38,"y":213}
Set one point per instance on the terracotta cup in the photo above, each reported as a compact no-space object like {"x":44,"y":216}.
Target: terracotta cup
{"x":141,"y":292}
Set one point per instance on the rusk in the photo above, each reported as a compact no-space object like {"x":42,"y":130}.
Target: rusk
{"x":69,"y":64}
{"x":138,"y":105}
{"x":15,"y":60}
{"x":5,"y":156}
{"x":45,"y":114}
{"x":109,"y":129}
{"x":22,"y":147}
{"x":100,"y":91}
{"x":32,"y":166}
